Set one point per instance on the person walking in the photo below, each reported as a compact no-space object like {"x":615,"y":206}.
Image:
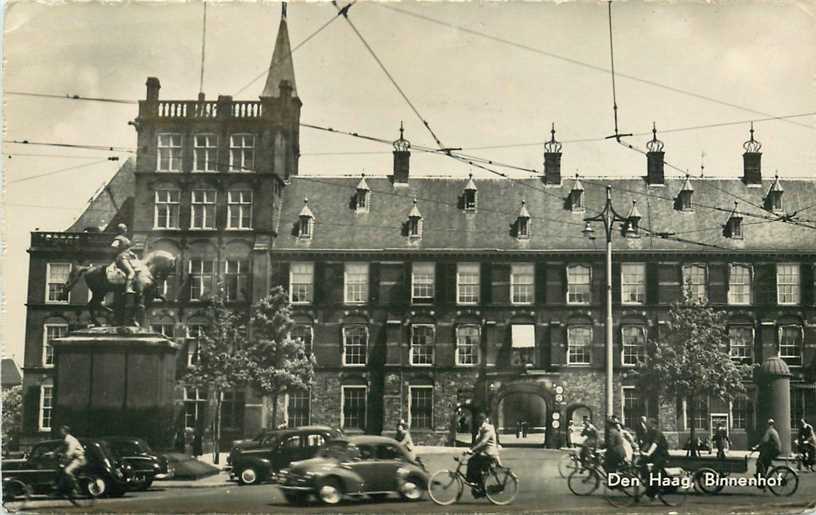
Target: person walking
{"x":769,"y":448}
{"x":570,"y":429}
{"x":485,"y":451}
{"x":722,"y":441}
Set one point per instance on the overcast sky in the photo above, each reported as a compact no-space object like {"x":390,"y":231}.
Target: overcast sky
{"x":474,"y":91}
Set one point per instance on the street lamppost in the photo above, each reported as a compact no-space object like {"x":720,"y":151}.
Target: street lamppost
{"x":609,"y":217}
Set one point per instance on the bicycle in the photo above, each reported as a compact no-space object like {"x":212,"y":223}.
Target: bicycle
{"x":802,"y":459}
{"x":781,"y":480}
{"x":629,"y":490}
{"x":500,"y":484}
{"x":15,"y":490}
{"x":81,"y":493}
{"x":568,"y":463}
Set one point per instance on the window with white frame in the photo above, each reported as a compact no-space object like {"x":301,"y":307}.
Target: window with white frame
{"x":166,"y":209}
{"x":579,"y":280}
{"x":700,"y":419}
{"x":579,"y":344}
{"x":353,"y":409}
{"x":633,"y":406}
{"x":633,"y":338}
{"x":201,"y":277}
{"x":298,"y":407}
{"x":799,"y":405}
{"x":422,"y":345}
{"x":169,"y":153}
{"x":242,"y":152}
{"x":790,"y":345}
{"x":195,"y":406}
{"x":741,"y":412}
{"x":423,"y":276}
{"x":694,"y":279}
{"x":58,"y":274}
{"x":787,"y":283}
{"x":467,"y":345}
{"x":236,"y":279}
{"x":356,"y":283}
{"x":303,"y":332}
{"x":166,"y":329}
{"x":50,"y":333}
{"x":205,"y":153}
{"x":633,"y":283}
{"x":467,"y":283}
{"x":232,"y":410}
{"x":239,"y":210}
{"x":522,"y":283}
{"x":193,"y":333}
{"x":202,"y":207}
{"x":355,"y":345}
{"x":301,"y":283}
{"x":739,"y":285}
{"x":46,"y":407}
{"x":420,"y":410}
{"x":741,"y":343}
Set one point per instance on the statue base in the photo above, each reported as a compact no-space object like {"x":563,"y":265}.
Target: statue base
{"x":116,"y":381}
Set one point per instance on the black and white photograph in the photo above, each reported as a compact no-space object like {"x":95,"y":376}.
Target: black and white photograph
{"x":360,"y":256}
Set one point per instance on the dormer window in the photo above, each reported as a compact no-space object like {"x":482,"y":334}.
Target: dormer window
{"x":773,"y":201}
{"x":632,"y":228}
{"x":470,"y":194}
{"x":577,"y":195}
{"x":733,"y":226}
{"x":362,"y":200}
{"x":306,"y":222}
{"x":523,"y":222}
{"x":415,"y":222}
{"x":684,"y":197}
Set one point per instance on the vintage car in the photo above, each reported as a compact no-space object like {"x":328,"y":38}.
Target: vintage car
{"x":40,"y":467}
{"x":145,"y":465}
{"x":258,"y":460}
{"x":372,"y":466}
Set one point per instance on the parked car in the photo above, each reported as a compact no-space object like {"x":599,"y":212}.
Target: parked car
{"x":145,"y":465}
{"x":258,"y":460}
{"x":40,"y":467}
{"x":374,"y":466}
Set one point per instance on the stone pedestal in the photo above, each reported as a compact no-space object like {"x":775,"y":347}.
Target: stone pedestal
{"x":116,"y":381}
{"x":773,"y":389}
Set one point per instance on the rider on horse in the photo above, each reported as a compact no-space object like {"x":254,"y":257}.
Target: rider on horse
{"x":124,"y":256}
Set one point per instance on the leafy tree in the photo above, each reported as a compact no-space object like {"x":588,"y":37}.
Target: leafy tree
{"x":691,"y":359}
{"x":12,"y":416}
{"x":280,"y":364}
{"x":220,"y":363}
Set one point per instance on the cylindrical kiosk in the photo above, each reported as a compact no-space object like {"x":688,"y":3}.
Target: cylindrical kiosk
{"x":773,"y":388}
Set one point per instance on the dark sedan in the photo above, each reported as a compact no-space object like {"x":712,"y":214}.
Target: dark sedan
{"x":145,"y":465}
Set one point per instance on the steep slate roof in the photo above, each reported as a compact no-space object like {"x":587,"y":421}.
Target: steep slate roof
{"x":553,"y":226}
{"x":112,"y":204}
{"x":9,"y":373}
{"x":281,"y":66}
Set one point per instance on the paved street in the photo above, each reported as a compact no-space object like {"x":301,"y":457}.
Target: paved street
{"x":542,"y":490}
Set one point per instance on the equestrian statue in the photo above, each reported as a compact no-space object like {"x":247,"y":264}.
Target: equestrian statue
{"x":127,"y":276}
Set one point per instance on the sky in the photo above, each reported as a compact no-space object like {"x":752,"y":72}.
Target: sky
{"x":543,"y":63}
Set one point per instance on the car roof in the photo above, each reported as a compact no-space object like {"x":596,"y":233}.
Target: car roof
{"x":130,"y":439}
{"x":369,"y":440}
{"x":301,"y":429}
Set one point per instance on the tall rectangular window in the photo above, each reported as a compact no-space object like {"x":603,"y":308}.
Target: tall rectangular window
{"x":167,"y":329}
{"x":467,"y":283}
{"x":242,"y":152}
{"x":303,"y":332}
{"x":353,"y":407}
{"x":694,"y":281}
{"x":236,"y":279}
{"x":633,"y":406}
{"x":297,"y":408}
{"x":202,"y":206}
{"x":239,"y":210}
{"x":50,"y":333}
{"x":799,"y":405}
{"x":787,"y":283}
{"x":633,"y":283}
{"x":355,"y":346}
{"x":301,"y":283}
{"x":232,"y":410}
{"x":579,"y":345}
{"x":201,"y":277}
{"x":169,"y":153}
{"x":57,"y":277}
{"x":741,"y":343}
{"x":522,"y":283}
{"x":739,"y":285}
{"x":422,"y":345}
{"x":421,"y":407}
{"x":422,"y":282}
{"x":579,"y":284}
{"x":741,"y":413}
{"x":46,"y":406}
{"x":790,"y":345}
{"x":205,"y":153}
{"x":193,"y":333}
{"x":634,"y":344}
{"x":166,"y":210}
{"x":195,"y":405}
{"x":467,"y":345}
{"x":700,"y":419}
{"x":356,"y":283}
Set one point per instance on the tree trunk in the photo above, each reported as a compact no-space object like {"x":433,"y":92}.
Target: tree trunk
{"x":217,"y":432}
{"x":692,"y":412}
{"x":274,"y":398}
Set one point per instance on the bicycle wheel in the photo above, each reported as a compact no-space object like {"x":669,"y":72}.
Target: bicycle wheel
{"x":672,"y":495}
{"x":86,"y":492}
{"x":624,"y":494}
{"x":583,"y":481}
{"x":16,"y":492}
{"x":445,"y":487}
{"x":501,"y":485}
{"x":783,"y":481}
{"x":567,"y":464}
{"x":706,"y":480}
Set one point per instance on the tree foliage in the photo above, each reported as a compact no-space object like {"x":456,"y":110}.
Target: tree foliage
{"x":12,"y":416}
{"x":280,"y":364}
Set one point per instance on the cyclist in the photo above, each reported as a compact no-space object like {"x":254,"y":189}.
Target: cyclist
{"x":807,"y":444}
{"x":590,"y":434}
{"x":769,"y":448}
{"x":615,"y":447}
{"x":656,"y":454}
{"x":485,"y":451}
{"x":73,"y":455}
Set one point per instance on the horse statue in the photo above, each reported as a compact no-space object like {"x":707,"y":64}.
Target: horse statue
{"x":150,"y":273}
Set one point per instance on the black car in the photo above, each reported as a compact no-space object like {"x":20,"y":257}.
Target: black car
{"x":261,"y":458}
{"x":39,"y":468}
{"x":145,"y":465}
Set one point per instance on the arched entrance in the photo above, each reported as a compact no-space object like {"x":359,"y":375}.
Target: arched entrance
{"x":522,"y":413}
{"x":576,"y":414}
{"x":465,"y":423}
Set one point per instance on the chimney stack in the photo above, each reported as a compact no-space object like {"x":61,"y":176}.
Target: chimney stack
{"x":402,"y":158}
{"x":654,"y":160}
{"x":552,"y":160}
{"x":752,"y":161}
{"x":153,"y":87}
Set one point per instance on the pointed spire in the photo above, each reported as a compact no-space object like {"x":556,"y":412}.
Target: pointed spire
{"x":577,"y":186}
{"x":553,"y":146}
{"x":752,"y":145}
{"x":687,"y":184}
{"x":306,"y":211}
{"x":634,"y":213}
{"x":470,"y":186}
{"x":363,"y":185}
{"x":281,"y":68}
{"x":776,"y":187}
{"x":523,"y":213}
{"x":414,"y":213}
{"x":735,"y":214}
{"x":654,"y":145}
{"x":402,"y":144}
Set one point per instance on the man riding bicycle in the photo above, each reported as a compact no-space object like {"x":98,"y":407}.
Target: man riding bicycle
{"x":485,"y":451}
{"x":806,"y":439}
{"x":73,"y":455}
{"x":656,"y":454}
{"x":590,"y":444}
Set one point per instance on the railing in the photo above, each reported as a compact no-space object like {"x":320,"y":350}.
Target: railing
{"x":246,"y":109}
{"x":208,"y":109}
{"x":71,"y":239}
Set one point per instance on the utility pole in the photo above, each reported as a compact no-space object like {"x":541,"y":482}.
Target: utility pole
{"x":609,"y":217}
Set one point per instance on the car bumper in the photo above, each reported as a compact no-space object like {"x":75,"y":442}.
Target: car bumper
{"x":296,"y":488}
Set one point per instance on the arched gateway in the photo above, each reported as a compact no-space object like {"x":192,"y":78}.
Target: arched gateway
{"x":524,"y":411}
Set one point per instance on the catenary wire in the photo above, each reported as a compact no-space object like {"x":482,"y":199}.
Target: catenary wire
{"x":60,"y":170}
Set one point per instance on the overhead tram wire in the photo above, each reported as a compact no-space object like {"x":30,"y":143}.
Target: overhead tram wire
{"x":123,"y":150}
{"x":54,"y":172}
{"x":11,"y":155}
{"x":71,"y":97}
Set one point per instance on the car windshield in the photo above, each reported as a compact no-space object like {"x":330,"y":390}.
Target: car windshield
{"x":341,"y":451}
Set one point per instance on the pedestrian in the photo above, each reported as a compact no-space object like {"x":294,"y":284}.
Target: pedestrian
{"x":198,"y":444}
{"x":570,"y":429}
{"x":769,"y":448}
{"x":178,"y":443}
{"x":404,"y":438}
{"x":722,"y":441}
{"x":641,"y":430}
{"x":524,"y":425}
{"x":518,"y":428}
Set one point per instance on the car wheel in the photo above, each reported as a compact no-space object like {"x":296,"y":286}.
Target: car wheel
{"x":249,"y":476}
{"x":412,"y":489}
{"x":329,"y":491}
{"x":94,"y":486}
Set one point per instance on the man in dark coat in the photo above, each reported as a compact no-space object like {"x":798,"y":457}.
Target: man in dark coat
{"x":769,"y":448}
